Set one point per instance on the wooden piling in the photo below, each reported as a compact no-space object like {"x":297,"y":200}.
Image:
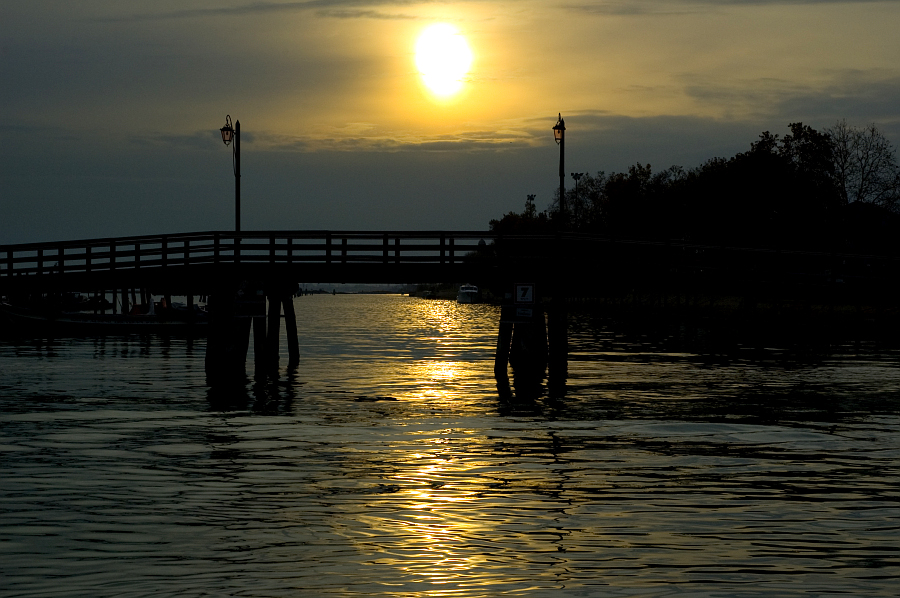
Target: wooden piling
{"x":228,"y":337}
{"x":504,"y":339}
{"x":528,"y":354}
{"x":259,"y":342}
{"x":242,"y":330}
{"x":273,"y":330}
{"x":558,"y":337}
{"x":290,"y":328}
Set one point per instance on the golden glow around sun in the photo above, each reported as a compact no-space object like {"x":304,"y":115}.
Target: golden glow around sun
{"x":443,"y":58}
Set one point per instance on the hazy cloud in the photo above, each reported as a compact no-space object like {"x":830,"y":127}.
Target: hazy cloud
{"x":852,"y":94}
{"x":378,"y":142}
{"x":362,"y":14}
{"x":343,"y":9}
{"x":680,"y":7}
{"x":859,"y":96}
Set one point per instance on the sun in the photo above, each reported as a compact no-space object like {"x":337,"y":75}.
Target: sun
{"x":443,"y":58}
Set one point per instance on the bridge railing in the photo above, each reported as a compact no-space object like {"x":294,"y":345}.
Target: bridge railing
{"x":259,"y":247}
{"x":583,"y":255}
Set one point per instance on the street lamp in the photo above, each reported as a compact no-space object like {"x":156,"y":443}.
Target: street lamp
{"x":230,"y":134}
{"x":559,"y":134}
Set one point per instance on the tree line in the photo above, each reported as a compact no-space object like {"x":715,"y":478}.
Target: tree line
{"x":836,"y":189}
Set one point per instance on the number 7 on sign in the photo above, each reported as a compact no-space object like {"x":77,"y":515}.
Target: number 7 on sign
{"x":524,"y":293}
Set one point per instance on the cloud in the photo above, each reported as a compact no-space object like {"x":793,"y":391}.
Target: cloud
{"x":681,"y":7}
{"x":340,"y":9}
{"x":375,"y":141}
{"x":855,"y":94}
{"x":362,"y":14}
{"x":630,"y":8}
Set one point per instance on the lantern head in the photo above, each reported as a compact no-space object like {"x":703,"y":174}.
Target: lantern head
{"x":227,"y":131}
{"x":558,"y":129}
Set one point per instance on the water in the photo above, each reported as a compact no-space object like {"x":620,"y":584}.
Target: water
{"x":678,"y":463}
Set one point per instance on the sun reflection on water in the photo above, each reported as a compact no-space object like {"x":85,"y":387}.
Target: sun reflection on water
{"x":435,"y":515}
{"x":391,"y":469}
{"x":444,"y":371}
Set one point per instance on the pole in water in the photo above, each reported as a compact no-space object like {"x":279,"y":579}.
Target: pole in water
{"x":290,"y":328}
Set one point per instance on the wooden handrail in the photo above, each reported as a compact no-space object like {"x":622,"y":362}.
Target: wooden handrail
{"x":278,"y":248}
{"x":165,"y":251}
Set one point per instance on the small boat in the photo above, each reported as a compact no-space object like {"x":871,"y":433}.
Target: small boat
{"x":468,"y":293}
{"x":47,"y":320}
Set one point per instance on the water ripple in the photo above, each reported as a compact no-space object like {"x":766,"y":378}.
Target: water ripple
{"x":385,"y":464}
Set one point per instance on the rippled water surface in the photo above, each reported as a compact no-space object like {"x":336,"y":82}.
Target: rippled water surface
{"x":386,"y":464}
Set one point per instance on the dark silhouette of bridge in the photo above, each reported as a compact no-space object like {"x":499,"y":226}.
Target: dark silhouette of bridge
{"x":232,"y":267}
{"x":222,"y":264}
{"x":197,"y":262}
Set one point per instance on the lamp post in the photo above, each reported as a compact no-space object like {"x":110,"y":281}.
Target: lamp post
{"x":559,"y":133}
{"x":230,"y":134}
{"x":557,"y":328}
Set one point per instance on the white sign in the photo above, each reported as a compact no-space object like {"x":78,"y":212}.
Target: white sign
{"x":524,"y":293}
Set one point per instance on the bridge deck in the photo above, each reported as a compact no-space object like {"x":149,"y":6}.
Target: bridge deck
{"x":195,"y":261}
{"x":197,"y":258}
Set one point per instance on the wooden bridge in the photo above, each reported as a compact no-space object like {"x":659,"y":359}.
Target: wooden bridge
{"x":196,"y":262}
{"x":218,"y":263}
{"x":228,"y":267}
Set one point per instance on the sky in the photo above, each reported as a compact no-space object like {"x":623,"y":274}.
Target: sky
{"x":110,"y":110}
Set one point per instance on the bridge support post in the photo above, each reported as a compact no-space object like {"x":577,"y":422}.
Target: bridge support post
{"x":558,"y":336}
{"x":227,"y":343}
{"x":274,"y":330}
{"x":521,"y":343}
{"x":528,"y":354}
{"x":290,"y":328}
{"x":259,"y":343}
{"x":267,"y":329}
{"x":504,"y":338}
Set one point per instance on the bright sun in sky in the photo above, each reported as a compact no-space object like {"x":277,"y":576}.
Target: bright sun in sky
{"x":443,"y":58}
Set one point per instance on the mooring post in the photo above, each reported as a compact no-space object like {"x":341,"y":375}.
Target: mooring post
{"x":504,"y":338}
{"x":259,"y":342}
{"x":228,"y":339}
{"x":242,"y":330}
{"x":528,"y":353}
{"x":290,"y":328}
{"x":558,"y":337}
{"x":274,"y":330}
{"x":540,"y":333}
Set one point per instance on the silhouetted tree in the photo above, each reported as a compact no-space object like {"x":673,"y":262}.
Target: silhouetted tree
{"x":530,"y":210}
{"x":782,"y":192}
{"x":865,"y":165}
{"x":529,"y":222}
